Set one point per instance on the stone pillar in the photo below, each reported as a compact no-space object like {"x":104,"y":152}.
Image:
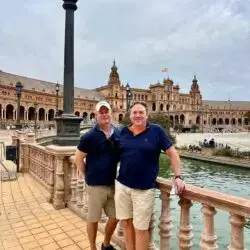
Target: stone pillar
{"x":58,"y":200}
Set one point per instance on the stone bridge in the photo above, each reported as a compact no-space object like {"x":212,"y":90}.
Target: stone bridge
{"x":52,"y":168}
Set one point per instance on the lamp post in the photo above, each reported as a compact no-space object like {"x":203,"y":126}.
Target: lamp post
{"x":168,"y":107}
{"x":68,"y":124}
{"x":128,"y":96}
{"x":35,"y":106}
{"x":19,"y":87}
{"x":57,"y":91}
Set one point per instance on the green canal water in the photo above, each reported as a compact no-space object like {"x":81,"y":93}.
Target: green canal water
{"x":229,"y":180}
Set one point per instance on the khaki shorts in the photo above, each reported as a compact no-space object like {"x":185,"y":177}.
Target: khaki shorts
{"x":134,"y":203}
{"x":100,"y":197}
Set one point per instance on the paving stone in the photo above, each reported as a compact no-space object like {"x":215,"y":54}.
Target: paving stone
{"x":32,"y":223}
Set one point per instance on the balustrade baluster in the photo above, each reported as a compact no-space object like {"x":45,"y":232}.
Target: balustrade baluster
{"x":58,"y":201}
{"x":151,"y":245}
{"x":237,"y":232}
{"x":51,"y":178}
{"x":85,"y":200}
{"x":208,"y":238}
{"x":185,"y":231}
{"x":80,"y":185}
{"x":165,"y":225}
{"x":73,"y":183}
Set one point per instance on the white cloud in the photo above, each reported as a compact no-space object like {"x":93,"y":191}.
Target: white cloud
{"x":208,"y":37}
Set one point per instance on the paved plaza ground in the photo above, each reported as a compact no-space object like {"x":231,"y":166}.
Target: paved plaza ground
{"x":27,"y":221}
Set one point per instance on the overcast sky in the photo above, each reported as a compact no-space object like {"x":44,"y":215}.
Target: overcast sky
{"x":208,"y":37}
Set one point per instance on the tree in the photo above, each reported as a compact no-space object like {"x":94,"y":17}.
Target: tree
{"x":194,"y":127}
{"x":157,"y":118}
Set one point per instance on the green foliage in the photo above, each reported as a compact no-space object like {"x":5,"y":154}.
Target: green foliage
{"x":165,"y":168}
{"x":160,"y":119}
{"x":178,"y":127}
{"x":194,"y":128}
{"x":247,"y":115}
{"x":185,"y":147}
{"x":157,"y":118}
{"x":223,"y":152}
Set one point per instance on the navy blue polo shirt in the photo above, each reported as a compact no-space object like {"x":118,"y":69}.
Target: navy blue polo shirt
{"x":139,"y":156}
{"x":102,"y":156}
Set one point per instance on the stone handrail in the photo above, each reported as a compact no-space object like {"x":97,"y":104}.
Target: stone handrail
{"x":239,"y":209}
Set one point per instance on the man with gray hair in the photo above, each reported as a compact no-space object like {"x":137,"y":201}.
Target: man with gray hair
{"x":99,"y":147}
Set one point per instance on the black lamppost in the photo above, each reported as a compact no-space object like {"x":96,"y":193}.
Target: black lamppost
{"x":57,"y":90}
{"x":128,"y":96}
{"x":19,"y":87}
{"x":35,"y":106}
{"x":68,"y":124}
{"x":168,"y":107}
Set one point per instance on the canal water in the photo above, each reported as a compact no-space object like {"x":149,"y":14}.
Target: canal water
{"x":230,"y":180}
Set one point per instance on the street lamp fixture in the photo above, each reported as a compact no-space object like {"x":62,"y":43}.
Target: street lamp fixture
{"x":19,"y":88}
{"x":57,"y":91}
{"x":128,"y":96}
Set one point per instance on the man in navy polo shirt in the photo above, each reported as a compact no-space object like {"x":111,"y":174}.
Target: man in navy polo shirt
{"x":140,"y":146}
{"x":99,"y":147}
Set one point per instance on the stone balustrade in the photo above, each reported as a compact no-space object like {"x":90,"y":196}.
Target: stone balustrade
{"x":54,"y":167}
{"x":237,"y":208}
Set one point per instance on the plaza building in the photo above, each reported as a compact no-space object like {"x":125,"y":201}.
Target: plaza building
{"x":40,"y":103}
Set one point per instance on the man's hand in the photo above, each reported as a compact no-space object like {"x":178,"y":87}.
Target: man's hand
{"x":180,"y":186}
{"x":79,"y":161}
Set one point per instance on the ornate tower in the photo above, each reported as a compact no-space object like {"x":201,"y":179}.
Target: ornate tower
{"x":114,"y":76}
{"x":196,"y":98}
{"x":195,"y":87}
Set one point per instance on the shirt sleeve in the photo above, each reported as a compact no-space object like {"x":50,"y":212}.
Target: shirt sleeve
{"x":85,"y":144}
{"x":164,"y":140}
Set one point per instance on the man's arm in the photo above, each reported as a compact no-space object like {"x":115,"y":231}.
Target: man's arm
{"x":79,"y":161}
{"x":176,"y":167}
{"x":174,"y":160}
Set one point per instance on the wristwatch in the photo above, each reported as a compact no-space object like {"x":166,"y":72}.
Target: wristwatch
{"x":178,"y":177}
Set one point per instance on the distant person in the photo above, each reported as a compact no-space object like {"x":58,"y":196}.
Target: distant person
{"x":140,"y":146}
{"x":99,"y":147}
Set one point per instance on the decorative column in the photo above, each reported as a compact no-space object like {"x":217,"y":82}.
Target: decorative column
{"x":151,"y":245}
{"x":208,"y":238}
{"x":58,"y":200}
{"x":237,"y":232}
{"x":73,"y":182}
{"x":165,"y":225}
{"x":51,"y":178}
{"x":185,"y":231}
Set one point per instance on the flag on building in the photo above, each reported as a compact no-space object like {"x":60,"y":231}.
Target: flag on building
{"x":164,"y":69}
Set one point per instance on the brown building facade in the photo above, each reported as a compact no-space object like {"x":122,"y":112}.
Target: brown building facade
{"x":38,"y":102}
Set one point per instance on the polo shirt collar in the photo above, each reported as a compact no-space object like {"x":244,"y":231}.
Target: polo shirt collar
{"x":97,"y":127}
